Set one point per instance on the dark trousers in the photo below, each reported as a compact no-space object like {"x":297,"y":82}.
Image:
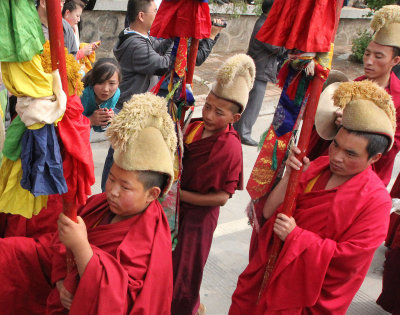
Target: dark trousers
{"x":250,"y":114}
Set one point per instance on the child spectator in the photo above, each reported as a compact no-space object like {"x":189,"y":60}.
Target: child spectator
{"x":121,"y":244}
{"x":212,"y":171}
{"x":101,"y":93}
{"x":72,"y":12}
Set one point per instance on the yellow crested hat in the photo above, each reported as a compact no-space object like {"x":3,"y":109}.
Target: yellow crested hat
{"x":386,"y":25}
{"x":235,"y":79}
{"x":366,"y":107}
{"x":143,"y":136}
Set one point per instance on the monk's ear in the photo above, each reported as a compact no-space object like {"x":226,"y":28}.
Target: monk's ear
{"x":236,"y":117}
{"x":396,"y":60}
{"x":375,"y":158}
{"x":153,"y":193}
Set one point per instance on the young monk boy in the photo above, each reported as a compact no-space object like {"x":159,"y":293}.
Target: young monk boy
{"x":121,"y":244}
{"x":340,"y":218}
{"x":212,"y":171}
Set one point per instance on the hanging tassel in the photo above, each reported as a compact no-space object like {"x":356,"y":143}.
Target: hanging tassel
{"x":262,"y":139}
{"x":157,"y":87}
{"x":274,"y":164}
{"x":283,"y":74}
{"x":301,"y":89}
{"x":172,"y":92}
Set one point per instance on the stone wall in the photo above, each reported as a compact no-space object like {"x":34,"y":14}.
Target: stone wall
{"x":105,"y":24}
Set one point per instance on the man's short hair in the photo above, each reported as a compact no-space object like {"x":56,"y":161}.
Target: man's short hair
{"x":376,"y":143}
{"x":266,"y":5}
{"x":136,"y":6}
{"x":150,"y":179}
{"x":396,"y":51}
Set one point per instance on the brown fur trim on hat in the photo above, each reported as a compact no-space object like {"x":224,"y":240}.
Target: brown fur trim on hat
{"x":385,"y":15}
{"x":141,"y":111}
{"x":365,"y":90}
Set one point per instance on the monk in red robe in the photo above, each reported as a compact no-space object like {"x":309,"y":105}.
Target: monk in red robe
{"x":121,"y":244}
{"x":340,"y":218}
{"x":120,"y":277}
{"x":212,"y":171}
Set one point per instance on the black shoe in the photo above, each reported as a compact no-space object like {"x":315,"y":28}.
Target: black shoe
{"x":249,"y":142}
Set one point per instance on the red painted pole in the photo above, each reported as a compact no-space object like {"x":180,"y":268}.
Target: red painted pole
{"x":56,"y":37}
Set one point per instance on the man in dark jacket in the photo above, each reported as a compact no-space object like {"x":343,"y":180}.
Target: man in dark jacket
{"x":142,"y":58}
{"x":265,"y":57}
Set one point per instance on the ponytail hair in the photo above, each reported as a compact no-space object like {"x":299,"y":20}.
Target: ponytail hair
{"x":103,"y":69}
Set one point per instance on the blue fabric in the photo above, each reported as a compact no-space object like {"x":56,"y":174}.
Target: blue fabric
{"x":287,"y":111}
{"x":88,"y":100}
{"x":42,"y":169}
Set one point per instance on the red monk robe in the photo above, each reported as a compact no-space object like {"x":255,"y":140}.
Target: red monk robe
{"x":384,"y":167}
{"x":129,"y":273}
{"x":211,"y":164}
{"x":325,"y":258}
{"x":44,"y":222}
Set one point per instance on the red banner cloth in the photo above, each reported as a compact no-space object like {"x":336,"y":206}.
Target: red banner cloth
{"x":74,"y":130}
{"x":307,"y":25}
{"x":182,"y":18}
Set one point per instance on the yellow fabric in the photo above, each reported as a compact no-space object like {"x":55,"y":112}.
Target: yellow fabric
{"x":192,"y":134}
{"x":325,"y":59}
{"x":87,"y":61}
{"x":27,"y":78}
{"x":13,"y":198}
{"x":74,"y":76}
{"x":311,"y":184}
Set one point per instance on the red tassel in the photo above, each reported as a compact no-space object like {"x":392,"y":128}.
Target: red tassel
{"x":157,"y":87}
{"x":292,"y":88}
{"x":282,"y":75}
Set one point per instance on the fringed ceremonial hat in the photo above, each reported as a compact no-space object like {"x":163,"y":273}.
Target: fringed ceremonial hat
{"x":143,"y":136}
{"x":235,"y":79}
{"x":366,"y":108}
{"x":386,"y":25}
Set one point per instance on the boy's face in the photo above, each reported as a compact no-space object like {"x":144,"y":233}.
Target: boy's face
{"x":348,"y":154}
{"x":217,"y":114}
{"x":125,"y":193}
{"x":378,"y":61}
